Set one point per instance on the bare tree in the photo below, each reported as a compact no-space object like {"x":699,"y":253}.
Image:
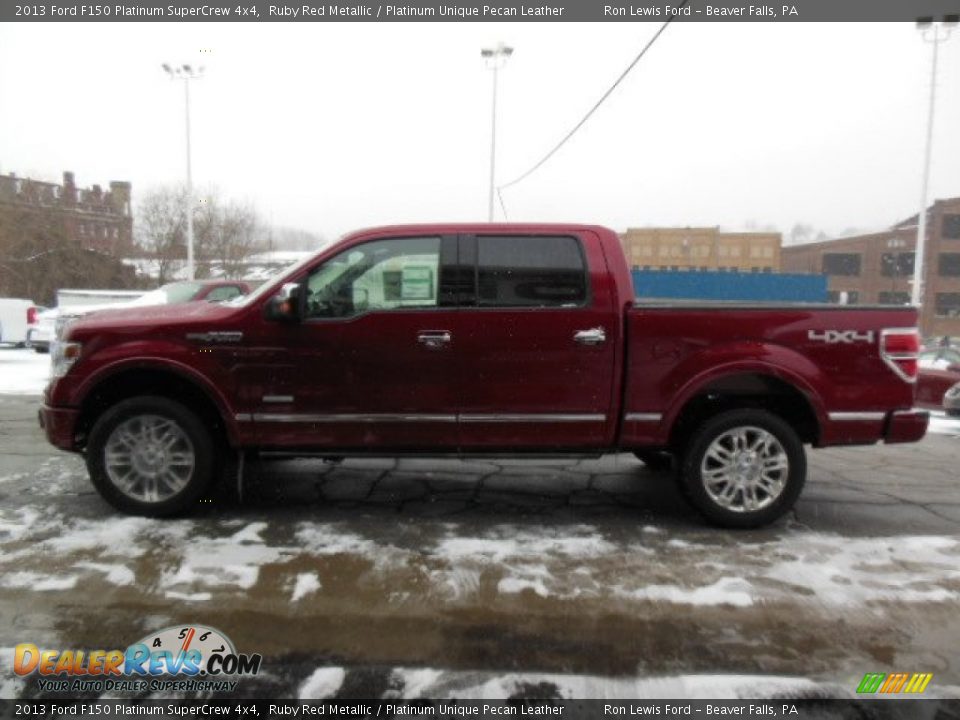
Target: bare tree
{"x":160,"y":228}
{"x":225,"y":233}
{"x":228,"y":234}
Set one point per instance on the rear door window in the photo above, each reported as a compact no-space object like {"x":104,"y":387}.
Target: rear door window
{"x":530,"y":271}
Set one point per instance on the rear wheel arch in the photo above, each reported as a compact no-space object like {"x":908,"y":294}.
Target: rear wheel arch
{"x":746,"y":390}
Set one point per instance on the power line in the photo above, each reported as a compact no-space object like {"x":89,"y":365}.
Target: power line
{"x":595,"y":107}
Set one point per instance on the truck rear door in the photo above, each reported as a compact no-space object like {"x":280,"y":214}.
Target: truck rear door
{"x":538,"y":342}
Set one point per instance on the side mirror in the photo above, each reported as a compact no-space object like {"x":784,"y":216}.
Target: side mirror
{"x":285,"y":305}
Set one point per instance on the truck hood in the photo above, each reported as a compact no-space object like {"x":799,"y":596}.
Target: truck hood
{"x":152,"y":317}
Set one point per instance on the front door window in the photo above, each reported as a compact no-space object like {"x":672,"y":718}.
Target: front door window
{"x":383,"y":275}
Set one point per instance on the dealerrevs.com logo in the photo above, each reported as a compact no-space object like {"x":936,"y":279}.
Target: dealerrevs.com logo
{"x":177,"y":658}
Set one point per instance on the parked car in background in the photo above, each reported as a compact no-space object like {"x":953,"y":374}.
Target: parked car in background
{"x":191,"y":291}
{"x":41,"y":332}
{"x":16,"y":315}
{"x":939,"y":371}
{"x":52,"y":322}
{"x":951,"y":401}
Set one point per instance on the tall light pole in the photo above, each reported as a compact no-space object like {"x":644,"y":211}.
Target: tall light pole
{"x":933,"y":33}
{"x":186,"y":73}
{"x":496,"y":58}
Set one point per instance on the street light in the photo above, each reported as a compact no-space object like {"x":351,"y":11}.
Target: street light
{"x":495,"y":58}
{"x":933,"y":33}
{"x":186,"y":73}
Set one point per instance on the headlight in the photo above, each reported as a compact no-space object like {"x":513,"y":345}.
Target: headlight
{"x":953,"y":392}
{"x":65,"y":354}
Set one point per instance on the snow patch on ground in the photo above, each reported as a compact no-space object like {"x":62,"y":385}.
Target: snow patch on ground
{"x":518,"y":585}
{"x":234,"y":561}
{"x":305,"y":584}
{"x":188,"y":597}
{"x":941,"y":424}
{"x":11,"y":685}
{"x":113,"y":574}
{"x":38,"y":581}
{"x":114,"y":537}
{"x":858,"y":571}
{"x":726,"y":591}
{"x":15,"y":523}
{"x":323,"y":683}
{"x":202,"y":559}
{"x":332,"y":539}
{"x":413,"y":683}
{"x":23,"y":371}
{"x":580,"y":541}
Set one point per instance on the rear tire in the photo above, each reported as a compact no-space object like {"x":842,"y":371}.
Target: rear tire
{"x":743,"y":468}
{"x":150,"y":456}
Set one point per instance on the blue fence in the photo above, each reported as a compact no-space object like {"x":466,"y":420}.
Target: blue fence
{"x":700,"y":285}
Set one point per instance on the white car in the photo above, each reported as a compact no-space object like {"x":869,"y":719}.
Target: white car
{"x":42,"y":333}
{"x":16,"y":315}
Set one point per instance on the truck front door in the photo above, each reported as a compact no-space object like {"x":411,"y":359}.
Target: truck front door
{"x":371,"y":361}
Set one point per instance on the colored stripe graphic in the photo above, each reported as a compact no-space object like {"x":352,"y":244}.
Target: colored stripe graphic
{"x":870,"y":683}
{"x":894,"y":683}
{"x":918,"y":683}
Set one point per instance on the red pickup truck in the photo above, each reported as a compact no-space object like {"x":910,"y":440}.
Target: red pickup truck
{"x":479,"y":339}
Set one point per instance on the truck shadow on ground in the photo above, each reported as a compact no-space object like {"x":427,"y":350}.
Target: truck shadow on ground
{"x":441,"y":488}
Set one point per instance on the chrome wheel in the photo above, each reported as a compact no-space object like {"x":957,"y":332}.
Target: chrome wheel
{"x":149,"y":458}
{"x":745,"y":469}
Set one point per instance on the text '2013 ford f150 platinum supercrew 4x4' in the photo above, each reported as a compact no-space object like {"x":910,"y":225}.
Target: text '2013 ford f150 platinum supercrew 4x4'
{"x":472,"y":340}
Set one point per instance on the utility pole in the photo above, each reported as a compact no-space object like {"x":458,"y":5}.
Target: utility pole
{"x":186,"y":73}
{"x":496,"y":58}
{"x":933,"y":33}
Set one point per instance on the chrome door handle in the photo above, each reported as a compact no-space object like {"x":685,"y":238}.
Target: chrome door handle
{"x":593,"y":336}
{"x":434,"y":338}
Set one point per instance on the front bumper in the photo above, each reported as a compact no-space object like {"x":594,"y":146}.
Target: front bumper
{"x":905,"y":426}
{"x":59,"y":425}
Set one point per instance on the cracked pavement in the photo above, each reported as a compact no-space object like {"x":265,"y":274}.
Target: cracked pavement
{"x":591,"y":568}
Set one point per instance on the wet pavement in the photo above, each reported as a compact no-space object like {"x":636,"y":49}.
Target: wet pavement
{"x":384,"y":578}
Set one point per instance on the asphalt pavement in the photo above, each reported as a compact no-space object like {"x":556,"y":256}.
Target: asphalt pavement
{"x":399,"y":578}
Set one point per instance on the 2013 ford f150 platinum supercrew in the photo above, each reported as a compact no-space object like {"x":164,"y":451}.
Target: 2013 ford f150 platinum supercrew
{"x":479,"y":339}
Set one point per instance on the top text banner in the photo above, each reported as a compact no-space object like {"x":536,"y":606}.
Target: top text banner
{"x":483,"y":11}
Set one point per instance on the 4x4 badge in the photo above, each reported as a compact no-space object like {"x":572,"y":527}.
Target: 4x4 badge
{"x":832,"y":337}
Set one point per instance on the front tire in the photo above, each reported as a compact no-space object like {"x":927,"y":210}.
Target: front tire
{"x":150,"y":456}
{"x":744,"y":468}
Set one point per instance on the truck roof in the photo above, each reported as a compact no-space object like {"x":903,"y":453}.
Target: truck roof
{"x":477,"y":227}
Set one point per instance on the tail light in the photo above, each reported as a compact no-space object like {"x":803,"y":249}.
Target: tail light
{"x":31,"y":316}
{"x":900,"y":349}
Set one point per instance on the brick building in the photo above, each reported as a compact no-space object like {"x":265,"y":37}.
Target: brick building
{"x":877,"y":268}
{"x":93,"y":218}
{"x":702,"y":248}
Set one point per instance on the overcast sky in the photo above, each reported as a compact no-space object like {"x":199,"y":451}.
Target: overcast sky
{"x":333,"y":127}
